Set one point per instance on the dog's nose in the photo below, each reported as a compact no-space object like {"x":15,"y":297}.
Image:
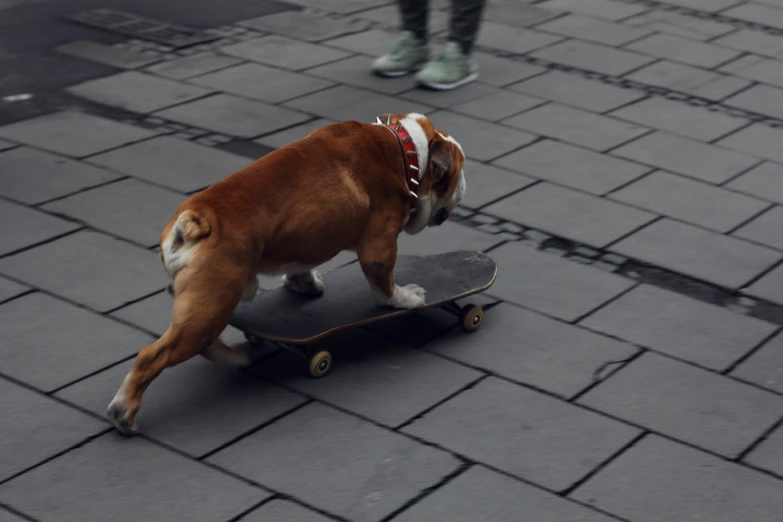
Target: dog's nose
{"x":441,"y":216}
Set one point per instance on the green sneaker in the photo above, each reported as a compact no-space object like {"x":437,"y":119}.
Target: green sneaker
{"x":449,"y":69}
{"x":406,"y":56}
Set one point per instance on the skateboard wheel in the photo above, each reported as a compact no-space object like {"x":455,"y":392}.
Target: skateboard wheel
{"x":252,"y":339}
{"x":470,"y":317}
{"x":320,"y":364}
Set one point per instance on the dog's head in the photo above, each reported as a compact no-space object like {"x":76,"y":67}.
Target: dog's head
{"x":441,"y":175}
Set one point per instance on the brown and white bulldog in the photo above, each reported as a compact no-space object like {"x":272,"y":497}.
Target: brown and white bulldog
{"x":348,"y":186}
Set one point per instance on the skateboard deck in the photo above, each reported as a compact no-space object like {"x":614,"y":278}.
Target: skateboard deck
{"x":285,"y":317}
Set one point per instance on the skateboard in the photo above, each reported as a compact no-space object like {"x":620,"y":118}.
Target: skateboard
{"x":293,"y":321}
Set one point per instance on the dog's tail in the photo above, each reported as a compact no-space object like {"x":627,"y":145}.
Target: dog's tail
{"x":191,"y":226}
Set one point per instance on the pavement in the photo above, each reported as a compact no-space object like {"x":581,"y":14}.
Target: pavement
{"x":624,"y":172}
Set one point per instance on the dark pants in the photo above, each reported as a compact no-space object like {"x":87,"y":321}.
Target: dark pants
{"x":465,"y":20}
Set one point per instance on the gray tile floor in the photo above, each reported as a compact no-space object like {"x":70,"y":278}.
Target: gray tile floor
{"x":624,"y":171}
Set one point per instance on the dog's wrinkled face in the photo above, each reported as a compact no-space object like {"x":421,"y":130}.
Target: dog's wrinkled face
{"x":442,"y":178}
{"x":446,"y":170}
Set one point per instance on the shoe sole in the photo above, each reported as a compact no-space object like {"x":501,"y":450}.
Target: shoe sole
{"x":449,"y":86}
{"x":392,"y":74}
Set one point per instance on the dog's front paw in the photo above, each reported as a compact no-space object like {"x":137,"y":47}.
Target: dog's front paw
{"x":310,"y":284}
{"x":408,"y":296}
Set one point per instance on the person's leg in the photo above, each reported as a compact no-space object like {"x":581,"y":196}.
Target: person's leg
{"x":414,"y":16}
{"x":465,"y":23}
{"x":455,"y":65}
{"x":411,"y":51}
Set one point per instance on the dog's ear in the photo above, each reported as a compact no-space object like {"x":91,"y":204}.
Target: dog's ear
{"x":440,"y":158}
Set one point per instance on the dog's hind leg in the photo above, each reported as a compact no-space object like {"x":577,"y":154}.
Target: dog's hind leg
{"x":203,"y":305}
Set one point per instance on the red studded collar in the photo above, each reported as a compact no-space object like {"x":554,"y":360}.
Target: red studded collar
{"x":409,"y":155}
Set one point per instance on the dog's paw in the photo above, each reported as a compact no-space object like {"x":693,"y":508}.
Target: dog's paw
{"x":121,"y":418}
{"x":408,"y":296}
{"x":311,"y":283}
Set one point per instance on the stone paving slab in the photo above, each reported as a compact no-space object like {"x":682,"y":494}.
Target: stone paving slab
{"x":599,"y":58}
{"x":496,"y":106}
{"x":647,"y":482}
{"x":482,"y":494}
{"x":763,"y":367}
{"x":769,"y":285}
{"x":10,"y":289}
{"x":576,"y":126}
{"x":193,"y":65}
{"x":124,"y":477}
{"x":690,"y":404}
{"x":354,"y":71}
{"x":761,"y":99}
{"x":769,"y":454}
{"x":172,"y":162}
{"x":573,"y":166}
{"x":690,"y":80}
{"x":757,"y":68}
{"x":753,"y":42}
{"x":303,"y":25}
{"x":260,"y":82}
{"x":283,"y":511}
{"x":27,"y":429}
{"x":494,"y":183}
{"x":687,"y":157}
{"x":344,"y":103}
{"x":287,"y":53}
{"x":691,"y":201}
{"x":683,"y":50}
{"x":234,"y":116}
{"x":678,"y":24}
{"x":89,"y":268}
{"x":138,"y":92}
{"x":290,"y":135}
{"x":759,"y":13}
{"x":499,"y":71}
{"x":73,"y":133}
{"x":605,"y":9}
{"x":766,"y":229}
{"x":85,"y":342}
{"x":373,"y":42}
{"x":513,"y":39}
{"x":757,"y":141}
{"x":381,"y":469}
{"x":699,"y":253}
{"x":7,"y":516}
{"x":106,"y":54}
{"x":532,"y":349}
{"x":33,"y":176}
{"x":673,"y":324}
{"x":33,"y":227}
{"x":680,"y":119}
{"x":560,"y":288}
{"x":571,"y":214}
{"x":450,"y":98}
{"x":575,"y":91}
{"x":549,"y":442}
{"x":595,"y":30}
{"x":515,"y":15}
{"x":130,"y":209}
{"x":762,"y":181}
{"x":200,"y":419}
{"x":374,"y":377}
